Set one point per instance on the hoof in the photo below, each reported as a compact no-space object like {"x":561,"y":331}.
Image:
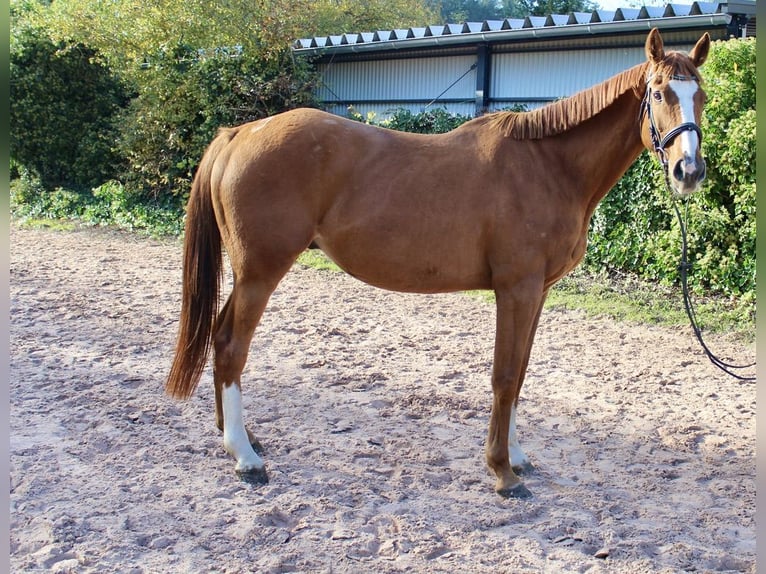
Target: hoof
{"x":526,"y":468}
{"x":255,"y":477}
{"x":519,"y":491}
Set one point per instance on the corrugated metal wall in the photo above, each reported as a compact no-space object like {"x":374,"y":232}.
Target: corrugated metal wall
{"x":529,"y":78}
{"x":383,"y":85}
{"x":534,"y":78}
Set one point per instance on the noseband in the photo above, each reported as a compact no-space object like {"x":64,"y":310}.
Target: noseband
{"x":660,"y":143}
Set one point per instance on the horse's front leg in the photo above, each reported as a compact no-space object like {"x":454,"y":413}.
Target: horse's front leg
{"x":518,"y":312}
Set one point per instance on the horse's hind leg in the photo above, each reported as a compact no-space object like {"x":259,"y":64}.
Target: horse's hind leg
{"x":234,"y":331}
{"x":254,"y":442}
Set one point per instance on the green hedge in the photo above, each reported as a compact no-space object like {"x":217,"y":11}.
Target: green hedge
{"x":435,"y":121}
{"x":185,"y":97}
{"x":63,"y":106}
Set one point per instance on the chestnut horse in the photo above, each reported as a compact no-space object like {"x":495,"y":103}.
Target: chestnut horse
{"x":502,"y":203}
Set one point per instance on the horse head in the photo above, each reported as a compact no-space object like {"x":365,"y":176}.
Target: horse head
{"x":672,"y":109}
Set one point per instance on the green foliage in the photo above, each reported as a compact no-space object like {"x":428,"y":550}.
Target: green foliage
{"x":31,"y":200}
{"x":335,"y":16}
{"x":63,"y":105}
{"x":128,"y":31}
{"x":434,"y":121}
{"x":107,"y":205}
{"x":624,"y":228}
{"x":545,"y":7}
{"x":478,"y":10}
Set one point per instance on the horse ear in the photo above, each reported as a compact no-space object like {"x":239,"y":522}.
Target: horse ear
{"x":655,"y":51}
{"x":700,"y":51}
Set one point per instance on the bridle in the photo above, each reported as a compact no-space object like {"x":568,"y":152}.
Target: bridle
{"x":660,"y":143}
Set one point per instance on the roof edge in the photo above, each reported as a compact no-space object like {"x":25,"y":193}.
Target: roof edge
{"x":489,"y":35}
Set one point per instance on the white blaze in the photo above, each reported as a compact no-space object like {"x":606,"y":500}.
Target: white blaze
{"x":685,"y":90}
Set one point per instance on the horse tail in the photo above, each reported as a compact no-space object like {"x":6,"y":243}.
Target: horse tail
{"x":202,"y":274}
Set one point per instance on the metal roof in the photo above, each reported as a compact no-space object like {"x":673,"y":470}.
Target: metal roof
{"x":622,"y":20}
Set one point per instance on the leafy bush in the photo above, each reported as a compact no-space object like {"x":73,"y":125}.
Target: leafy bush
{"x":623,"y":230}
{"x":30,"y":199}
{"x":435,"y":121}
{"x":107,"y":205}
{"x":63,"y":105}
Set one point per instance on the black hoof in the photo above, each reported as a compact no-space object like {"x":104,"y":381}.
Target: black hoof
{"x":524,"y":469}
{"x":256,"y":477}
{"x":519,"y":491}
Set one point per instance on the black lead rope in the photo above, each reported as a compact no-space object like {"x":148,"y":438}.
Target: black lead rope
{"x":684,"y":268}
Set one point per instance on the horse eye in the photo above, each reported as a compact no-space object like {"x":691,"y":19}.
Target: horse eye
{"x":657,"y":96}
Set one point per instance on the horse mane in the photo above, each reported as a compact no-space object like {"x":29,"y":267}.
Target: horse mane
{"x":562,"y":115}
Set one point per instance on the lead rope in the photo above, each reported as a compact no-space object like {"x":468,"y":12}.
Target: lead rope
{"x":684,"y":267}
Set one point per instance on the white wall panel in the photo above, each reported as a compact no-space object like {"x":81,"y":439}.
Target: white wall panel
{"x":403,"y":80}
{"x":531,"y":78}
{"x":553,"y":75}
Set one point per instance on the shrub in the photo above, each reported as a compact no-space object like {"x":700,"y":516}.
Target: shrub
{"x":107,"y":205}
{"x":63,"y":105}
{"x":435,"y":121}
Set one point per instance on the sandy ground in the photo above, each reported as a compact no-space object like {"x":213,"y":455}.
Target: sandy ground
{"x":373,"y":408}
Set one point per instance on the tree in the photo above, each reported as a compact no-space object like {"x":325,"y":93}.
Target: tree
{"x":545,"y":7}
{"x":470,"y":10}
{"x":126,"y":32}
{"x":338,"y":16}
{"x":478,"y":10}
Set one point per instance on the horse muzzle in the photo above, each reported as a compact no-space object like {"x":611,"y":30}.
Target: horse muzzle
{"x":687,"y":175}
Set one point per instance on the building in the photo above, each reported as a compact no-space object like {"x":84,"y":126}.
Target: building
{"x":475,"y":67}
